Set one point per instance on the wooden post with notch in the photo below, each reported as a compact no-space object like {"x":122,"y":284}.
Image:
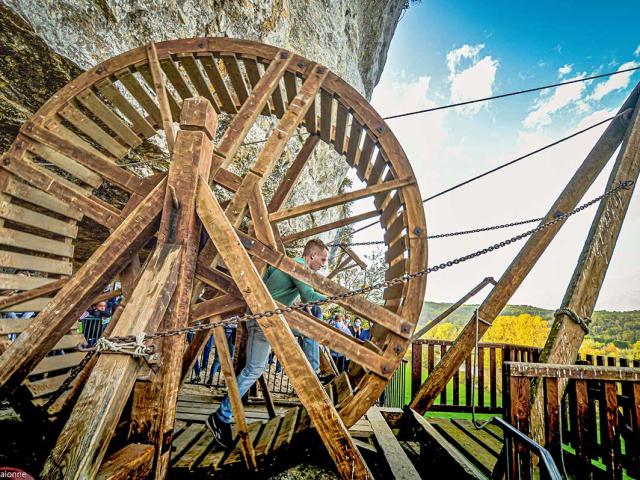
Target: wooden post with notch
{"x":153,"y":413}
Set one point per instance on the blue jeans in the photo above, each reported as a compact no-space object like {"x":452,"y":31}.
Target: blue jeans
{"x":258,"y":349}
{"x":205,"y":354}
{"x":310,"y":347}
{"x":230,"y":334}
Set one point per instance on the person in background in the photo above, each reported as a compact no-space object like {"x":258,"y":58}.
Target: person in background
{"x":230,"y":334}
{"x":356,"y":328}
{"x":340,"y":322}
{"x":94,"y":322}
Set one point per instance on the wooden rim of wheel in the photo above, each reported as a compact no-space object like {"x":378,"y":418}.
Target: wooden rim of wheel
{"x":79,"y":140}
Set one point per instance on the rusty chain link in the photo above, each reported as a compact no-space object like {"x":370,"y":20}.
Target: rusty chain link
{"x":624,"y":185}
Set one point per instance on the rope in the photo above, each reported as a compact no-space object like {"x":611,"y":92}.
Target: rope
{"x":510,"y":94}
{"x":504,"y":165}
{"x":583,"y":322}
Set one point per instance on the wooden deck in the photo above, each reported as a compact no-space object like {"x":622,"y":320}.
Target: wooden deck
{"x":195,"y":454}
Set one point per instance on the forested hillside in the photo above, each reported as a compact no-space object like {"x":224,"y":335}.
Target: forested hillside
{"x":620,"y":328}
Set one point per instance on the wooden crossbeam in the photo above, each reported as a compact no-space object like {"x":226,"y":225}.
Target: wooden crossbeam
{"x":522,"y":264}
{"x":155,"y":402}
{"x":361,"y":263}
{"x":314,"y":231}
{"x":85,"y":437}
{"x":78,"y":293}
{"x":347,"y":197}
{"x":332,"y":431}
{"x":216,"y":306}
{"x":130,"y":462}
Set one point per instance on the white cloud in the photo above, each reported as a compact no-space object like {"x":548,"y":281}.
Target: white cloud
{"x":614,"y":82}
{"x":474,"y":81}
{"x":562,"y":97}
{"x":565,"y":70}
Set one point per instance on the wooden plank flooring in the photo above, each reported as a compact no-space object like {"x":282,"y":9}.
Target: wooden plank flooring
{"x":195,"y":453}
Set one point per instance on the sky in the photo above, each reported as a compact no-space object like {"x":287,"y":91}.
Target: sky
{"x":445,"y":52}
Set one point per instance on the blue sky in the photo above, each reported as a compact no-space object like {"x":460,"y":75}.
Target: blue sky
{"x":450,"y":51}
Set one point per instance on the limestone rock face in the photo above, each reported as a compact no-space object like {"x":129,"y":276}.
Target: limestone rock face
{"x":46,"y":44}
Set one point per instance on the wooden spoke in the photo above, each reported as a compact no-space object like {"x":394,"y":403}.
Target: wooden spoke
{"x":339,"y":199}
{"x":250,"y":110}
{"x":286,"y":186}
{"x":311,"y":232}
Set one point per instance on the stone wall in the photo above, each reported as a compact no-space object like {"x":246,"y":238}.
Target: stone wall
{"x":45,"y":44}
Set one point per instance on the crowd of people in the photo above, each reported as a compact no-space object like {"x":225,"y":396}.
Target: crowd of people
{"x":353,"y":327}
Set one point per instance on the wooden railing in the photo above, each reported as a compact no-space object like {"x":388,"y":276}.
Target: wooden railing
{"x":594,"y":430}
{"x":457,"y":396}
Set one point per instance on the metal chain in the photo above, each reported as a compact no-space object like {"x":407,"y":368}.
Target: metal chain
{"x":75,"y":371}
{"x":450,"y":234}
{"x":377,"y":286}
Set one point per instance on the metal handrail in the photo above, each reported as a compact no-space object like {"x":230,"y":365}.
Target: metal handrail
{"x":546,"y":460}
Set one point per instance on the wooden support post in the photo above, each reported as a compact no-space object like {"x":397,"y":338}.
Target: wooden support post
{"x":231,"y":382}
{"x":153,"y":413}
{"x":526,"y":258}
{"x":332,"y":430}
{"x":566,"y":335}
{"x":62,"y":313}
{"x":85,"y":437}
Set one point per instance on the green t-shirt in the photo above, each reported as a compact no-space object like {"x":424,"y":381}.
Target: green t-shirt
{"x":286,"y":289}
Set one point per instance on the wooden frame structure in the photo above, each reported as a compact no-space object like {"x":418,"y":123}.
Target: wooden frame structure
{"x":77,"y":146}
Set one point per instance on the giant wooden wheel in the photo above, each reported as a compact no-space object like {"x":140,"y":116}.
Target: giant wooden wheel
{"x":73,"y":150}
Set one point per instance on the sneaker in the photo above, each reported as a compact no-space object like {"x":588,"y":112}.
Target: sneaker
{"x":326,"y":378}
{"x":197,"y":379}
{"x":221,"y":431}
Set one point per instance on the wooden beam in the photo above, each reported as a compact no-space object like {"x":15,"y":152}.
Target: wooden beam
{"x":226,"y":366}
{"x":566,"y":335}
{"x":155,"y":402}
{"x":216,"y":306}
{"x":314,"y":231}
{"x":347,"y":197}
{"x":161,"y":92}
{"x":85,"y":437}
{"x":398,"y":461}
{"x":332,"y":431}
{"x":361,"y":263}
{"x":525,"y":260}
{"x":293,"y":173}
{"x":573,"y":372}
{"x":78,"y":293}
{"x":132,"y":462}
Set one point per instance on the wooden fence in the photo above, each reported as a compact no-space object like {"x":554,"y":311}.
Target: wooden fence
{"x":594,"y":430}
{"x":457,"y":395}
